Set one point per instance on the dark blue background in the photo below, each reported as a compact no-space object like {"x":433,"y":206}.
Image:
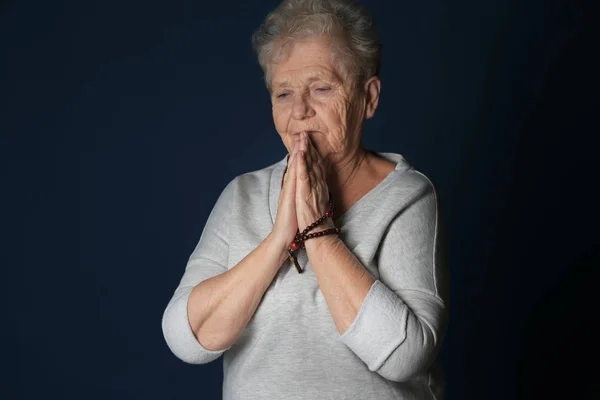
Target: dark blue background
{"x":122,"y":121}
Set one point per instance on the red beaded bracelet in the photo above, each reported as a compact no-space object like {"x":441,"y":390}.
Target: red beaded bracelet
{"x":298,"y":242}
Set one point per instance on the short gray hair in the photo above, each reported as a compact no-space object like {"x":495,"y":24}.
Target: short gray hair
{"x":355,"y":41}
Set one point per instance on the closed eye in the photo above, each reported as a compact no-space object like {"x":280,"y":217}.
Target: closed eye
{"x":323,"y":89}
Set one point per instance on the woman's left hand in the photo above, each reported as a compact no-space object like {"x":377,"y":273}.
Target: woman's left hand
{"x":312,"y":193}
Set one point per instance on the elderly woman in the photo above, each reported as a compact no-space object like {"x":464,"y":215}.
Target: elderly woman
{"x":322,"y":275}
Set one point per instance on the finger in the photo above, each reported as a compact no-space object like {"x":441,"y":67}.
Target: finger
{"x":297,"y":146}
{"x":302,"y":176}
{"x":303,"y":190}
{"x":310,"y":161}
{"x":315,"y":172}
{"x":293,"y":166}
{"x":312,"y":148}
{"x":288,"y":165}
{"x":306,"y":157}
{"x":306,"y":147}
{"x":290,"y":173}
{"x":302,"y":142}
{"x":314,"y":162}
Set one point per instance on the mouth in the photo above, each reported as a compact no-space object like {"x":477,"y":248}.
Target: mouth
{"x":307,"y":132}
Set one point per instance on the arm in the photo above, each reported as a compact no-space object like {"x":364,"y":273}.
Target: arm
{"x":212,"y":305}
{"x":397,"y":324}
{"x":220,"y":308}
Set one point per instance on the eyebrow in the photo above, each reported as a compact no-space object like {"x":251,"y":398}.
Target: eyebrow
{"x":286,"y":82}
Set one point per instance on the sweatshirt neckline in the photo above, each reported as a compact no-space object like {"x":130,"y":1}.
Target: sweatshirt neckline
{"x":279,"y":167}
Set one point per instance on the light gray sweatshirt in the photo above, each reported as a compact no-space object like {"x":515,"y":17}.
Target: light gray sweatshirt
{"x":291,"y":348}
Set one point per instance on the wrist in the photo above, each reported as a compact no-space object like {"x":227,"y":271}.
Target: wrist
{"x":322,"y":243}
{"x":279,"y":246}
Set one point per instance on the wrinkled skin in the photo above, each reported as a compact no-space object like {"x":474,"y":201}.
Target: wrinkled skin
{"x":309,"y":94}
{"x":319,"y":112}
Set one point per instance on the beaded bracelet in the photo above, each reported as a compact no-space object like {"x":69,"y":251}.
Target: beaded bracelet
{"x":298,"y":242}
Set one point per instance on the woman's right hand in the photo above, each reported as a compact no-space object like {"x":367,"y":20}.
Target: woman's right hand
{"x":286,"y":221}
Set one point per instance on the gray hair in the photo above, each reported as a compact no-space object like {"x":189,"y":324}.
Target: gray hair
{"x":355,"y":43}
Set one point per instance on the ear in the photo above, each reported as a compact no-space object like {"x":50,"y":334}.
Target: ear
{"x":372,"y":89}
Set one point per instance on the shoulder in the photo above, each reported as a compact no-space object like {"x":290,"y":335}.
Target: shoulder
{"x":262,"y":175}
{"x":406,"y":184}
{"x":256,"y":182}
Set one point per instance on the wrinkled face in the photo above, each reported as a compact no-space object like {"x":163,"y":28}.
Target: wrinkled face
{"x":309,"y":94}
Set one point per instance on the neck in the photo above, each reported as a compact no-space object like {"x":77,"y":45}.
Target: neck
{"x":340,"y":174}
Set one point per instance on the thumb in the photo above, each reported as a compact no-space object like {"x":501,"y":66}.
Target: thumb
{"x":302,"y":178}
{"x":289,"y":181}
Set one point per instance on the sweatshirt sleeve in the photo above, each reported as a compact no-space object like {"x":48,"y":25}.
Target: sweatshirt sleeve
{"x":208,"y":259}
{"x":400,"y":325}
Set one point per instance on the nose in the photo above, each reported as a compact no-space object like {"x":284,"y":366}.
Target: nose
{"x":301,"y":108}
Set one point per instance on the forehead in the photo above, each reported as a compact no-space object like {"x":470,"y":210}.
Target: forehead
{"x":305,"y":61}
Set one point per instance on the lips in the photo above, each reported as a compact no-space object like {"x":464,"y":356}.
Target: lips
{"x":307,"y":132}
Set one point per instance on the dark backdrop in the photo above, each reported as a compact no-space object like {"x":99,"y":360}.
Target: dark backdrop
{"x":122,"y":121}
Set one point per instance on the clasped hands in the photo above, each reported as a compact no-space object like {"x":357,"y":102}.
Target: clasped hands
{"x":304,"y":194}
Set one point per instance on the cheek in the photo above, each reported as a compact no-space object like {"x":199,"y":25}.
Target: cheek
{"x":281,"y":124}
{"x":279,"y":120}
{"x":335,"y":116}
{"x":323,"y":145}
